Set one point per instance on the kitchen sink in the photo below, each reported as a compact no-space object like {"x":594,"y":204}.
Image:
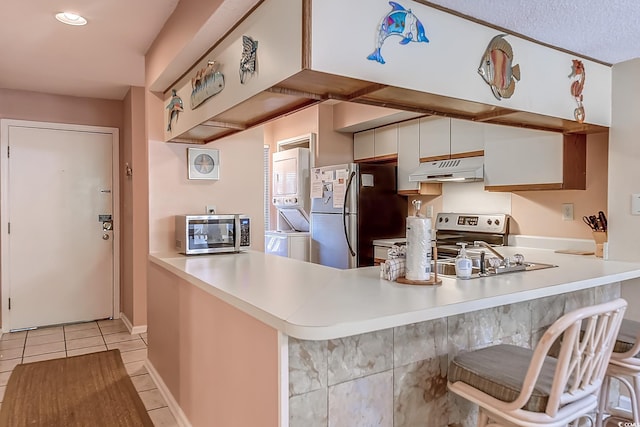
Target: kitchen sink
{"x":447,"y":268}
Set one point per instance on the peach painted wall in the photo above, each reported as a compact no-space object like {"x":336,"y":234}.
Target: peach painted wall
{"x":43,"y":107}
{"x":239,"y":189}
{"x":333,"y":147}
{"x":539,"y":213}
{"x":624,"y":174}
{"x":134,"y":193}
{"x":220,"y":364}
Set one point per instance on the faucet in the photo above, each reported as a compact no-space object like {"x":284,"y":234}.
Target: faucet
{"x":477,"y":243}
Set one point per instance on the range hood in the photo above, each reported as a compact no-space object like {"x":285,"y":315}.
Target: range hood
{"x":466,"y":169}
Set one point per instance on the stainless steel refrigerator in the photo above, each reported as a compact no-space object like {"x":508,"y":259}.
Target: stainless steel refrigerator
{"x":353,"y":204}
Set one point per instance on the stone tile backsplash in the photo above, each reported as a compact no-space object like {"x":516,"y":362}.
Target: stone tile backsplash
{"x":398,"y":377}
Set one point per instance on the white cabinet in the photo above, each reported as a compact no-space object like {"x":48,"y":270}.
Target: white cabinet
{"x":408,"y":155}
{"x":386,"y":141}
{"x":409,"y":160}
{"x":467,"y":138}
{"x":526,"y":159}
{"x":435,"y":138}
{"x":380,"y":144}
{"x":363,"y":145}
{"x":443,"y":138}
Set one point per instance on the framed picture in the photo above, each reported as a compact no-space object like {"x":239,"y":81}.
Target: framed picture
{"x":203,"y":163}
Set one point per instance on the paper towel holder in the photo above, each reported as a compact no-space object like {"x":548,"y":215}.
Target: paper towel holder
{"x":433,"y":279}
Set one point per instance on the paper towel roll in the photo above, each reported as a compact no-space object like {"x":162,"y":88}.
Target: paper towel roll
{"x":418,"y":265}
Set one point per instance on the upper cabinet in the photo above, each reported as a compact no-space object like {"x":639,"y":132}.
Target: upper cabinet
{"x":376,"y":145}
{"x":363,"y":145}
{"x":445,"y":138}
{"x":435,"y":138}
{"x":409,"y":160}
{"x":518,"y":159}
{"x":408,"y":155}
{"x":467,"y":138}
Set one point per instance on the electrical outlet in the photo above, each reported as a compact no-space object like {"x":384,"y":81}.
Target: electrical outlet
{"x":210,"y":209}
{"x":429,"y":211}
{"x":567,"y":211}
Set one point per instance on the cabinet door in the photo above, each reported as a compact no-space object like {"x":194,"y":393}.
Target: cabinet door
{"x":363,"y":145}
{"x":386,"y":141}
{"x":467,"y":138}
{"x":408,"y":154}
{"x":435,"y":138}
{"x":522,"y":157}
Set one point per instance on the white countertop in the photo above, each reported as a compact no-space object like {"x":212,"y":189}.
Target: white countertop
{"x":389,"y":242}
{"x":315,"y":302}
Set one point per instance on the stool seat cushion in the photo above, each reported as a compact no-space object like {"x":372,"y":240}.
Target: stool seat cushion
{"x":627,"y":336}
{"x":499,"y":371}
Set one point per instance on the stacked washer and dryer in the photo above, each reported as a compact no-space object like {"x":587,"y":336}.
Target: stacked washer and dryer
{"x":290,"y":195}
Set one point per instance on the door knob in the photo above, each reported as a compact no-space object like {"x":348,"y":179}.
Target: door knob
{"x":105,"y":236}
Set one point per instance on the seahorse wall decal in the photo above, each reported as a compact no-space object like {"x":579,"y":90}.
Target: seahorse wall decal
{"x":577,"y":70}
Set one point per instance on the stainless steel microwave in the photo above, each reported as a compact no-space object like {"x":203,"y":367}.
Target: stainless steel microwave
{"x":210,"y":234}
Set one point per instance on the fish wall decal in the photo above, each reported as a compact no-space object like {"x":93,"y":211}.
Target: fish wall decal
{"x":207,"y":82}
{"x":175,"y":107}
{"x":577,"y":70}
{"x":248,"y":58}
{"x":496,"y":67}
{"x":399,"y":22}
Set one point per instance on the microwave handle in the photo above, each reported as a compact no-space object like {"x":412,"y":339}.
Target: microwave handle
{"x":237,"y":235}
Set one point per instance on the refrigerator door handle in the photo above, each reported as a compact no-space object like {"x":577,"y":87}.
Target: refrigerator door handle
{"x":344,"y":213}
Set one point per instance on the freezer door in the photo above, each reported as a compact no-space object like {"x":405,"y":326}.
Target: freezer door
{"x":329,"y":176}
{"x":328,"y":243}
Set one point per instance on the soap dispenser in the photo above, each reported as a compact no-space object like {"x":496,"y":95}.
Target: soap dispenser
{"x":463,"y":263}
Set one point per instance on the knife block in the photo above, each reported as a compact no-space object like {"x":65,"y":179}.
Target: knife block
{"x":600,"y":238}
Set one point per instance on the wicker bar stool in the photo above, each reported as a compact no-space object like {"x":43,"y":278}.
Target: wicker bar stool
{"x":518,"y":386}
{"x":624,"y":366}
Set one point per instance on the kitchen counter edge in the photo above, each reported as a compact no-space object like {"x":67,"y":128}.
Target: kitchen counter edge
{"x":314,"y":302}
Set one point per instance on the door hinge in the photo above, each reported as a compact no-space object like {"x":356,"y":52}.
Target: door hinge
{"x":8,"y":151}
{"x":8,"y":228}
{"x":9,"y":303}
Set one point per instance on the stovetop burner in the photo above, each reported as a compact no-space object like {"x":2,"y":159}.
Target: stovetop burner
{"x":454,"y":228}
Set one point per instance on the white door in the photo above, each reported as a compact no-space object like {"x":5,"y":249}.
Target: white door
{"x":59,"y":255}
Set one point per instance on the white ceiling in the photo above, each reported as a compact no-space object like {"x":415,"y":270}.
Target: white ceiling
{"x":105,"y":57}
{"x":100,"y":60}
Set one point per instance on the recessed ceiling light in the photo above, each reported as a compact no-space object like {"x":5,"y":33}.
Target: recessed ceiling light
{"x":70,"y":18}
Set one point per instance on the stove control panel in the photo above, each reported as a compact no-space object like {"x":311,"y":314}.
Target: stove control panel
{"x":480,"y":223}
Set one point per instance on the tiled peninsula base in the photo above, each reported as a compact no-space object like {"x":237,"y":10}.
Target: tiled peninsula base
{"x":398,"y":377}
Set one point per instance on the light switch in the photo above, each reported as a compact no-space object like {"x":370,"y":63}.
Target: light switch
{"x":635,"y":204}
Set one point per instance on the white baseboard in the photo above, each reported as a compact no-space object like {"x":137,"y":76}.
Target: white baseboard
{"x":175,"y":409}
{"x":132,"y":329}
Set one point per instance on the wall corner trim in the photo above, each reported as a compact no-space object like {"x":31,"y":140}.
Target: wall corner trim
{"x":173,"y":405}
{"x":141,"y":329}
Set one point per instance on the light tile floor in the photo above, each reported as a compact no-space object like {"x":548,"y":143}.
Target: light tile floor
{"x":82,"y":338}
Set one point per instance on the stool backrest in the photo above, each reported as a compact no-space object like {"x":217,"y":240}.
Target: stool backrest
{"x":629,"y":334}
{"x":583,"y":357}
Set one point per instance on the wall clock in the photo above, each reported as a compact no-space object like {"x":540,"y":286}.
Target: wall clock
{"x":203,"y":163}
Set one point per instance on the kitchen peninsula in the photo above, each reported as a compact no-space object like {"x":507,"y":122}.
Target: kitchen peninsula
{"x":272,"y":341}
